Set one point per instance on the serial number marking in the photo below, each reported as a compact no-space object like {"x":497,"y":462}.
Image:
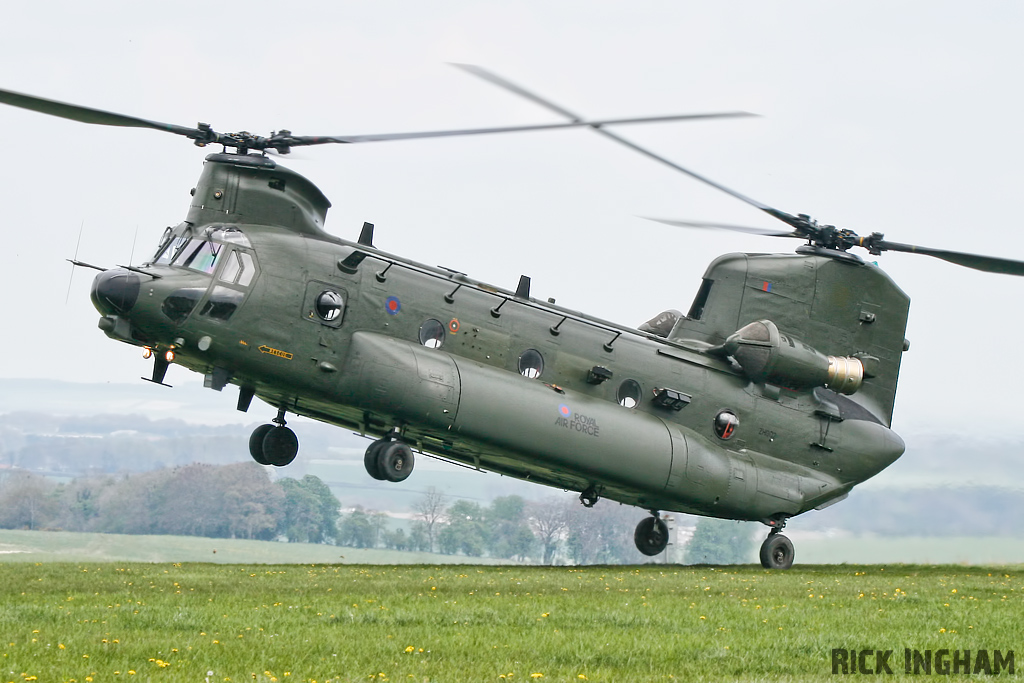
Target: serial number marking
{"x":767,"y":432}
{"x":276,"y":352}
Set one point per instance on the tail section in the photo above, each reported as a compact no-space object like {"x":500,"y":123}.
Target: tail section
{"x":835,"y":303}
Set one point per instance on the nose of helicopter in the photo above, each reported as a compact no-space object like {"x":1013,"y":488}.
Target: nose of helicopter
{"x":115,"y":291}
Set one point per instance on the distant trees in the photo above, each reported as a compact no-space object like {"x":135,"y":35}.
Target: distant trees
{"x":430,"y":510}
{"x":510,"y":527}
{"x":240,"y":501}
{"x":26,"y":501}
{"x":230,"y":501}
{"x":465,"y":531}
{"x":720,"y":541}
{"x":549,"y":519}
{"x":310,"y":512}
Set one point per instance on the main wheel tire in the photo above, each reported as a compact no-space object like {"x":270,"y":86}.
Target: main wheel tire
{"x":256,"y":444}
{"x":395,"y":461}
{"x":280,"y":446}
{"x":651,"y":536}
{"x":777,"y":552}
{"x":370,"y":459}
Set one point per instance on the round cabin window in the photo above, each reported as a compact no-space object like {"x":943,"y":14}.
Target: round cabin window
{"x":628,"y":394}
{"x":329,"y":305}
{"x":531,"y":364}
{"x":432,"y":334}
{"x":726,"y":423}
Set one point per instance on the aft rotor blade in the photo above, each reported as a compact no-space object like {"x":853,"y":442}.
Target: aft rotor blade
{"x":300,"y":140}
{"x":77,"y":112}
{"x":537,"y":99}
{"x":724,"y":226}
{"x":989,"y":264}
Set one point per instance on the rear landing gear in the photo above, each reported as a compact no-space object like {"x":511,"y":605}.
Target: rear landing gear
{"x":274,"y":444}
{"x":777,"y":551}
{"x":388,"y":460}
{"x":651,"y":535}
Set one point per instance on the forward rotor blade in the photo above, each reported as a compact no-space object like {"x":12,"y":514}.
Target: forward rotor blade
{"x":486,"y":75}
{"x":989,"y":264}
{"x":298,"y":141}
{"x":89,"y":115}
{"x":724,"y":226}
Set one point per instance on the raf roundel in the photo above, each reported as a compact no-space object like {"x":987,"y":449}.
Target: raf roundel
{"x":564,"y":410}
{"x":392,"y":305}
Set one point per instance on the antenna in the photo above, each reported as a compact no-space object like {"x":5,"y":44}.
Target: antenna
{"x":72,"y":278}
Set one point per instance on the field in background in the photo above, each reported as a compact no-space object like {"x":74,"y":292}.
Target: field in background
{"x":67,"y":546}
{"x":281,"y":623}
{"x":811,"y":548}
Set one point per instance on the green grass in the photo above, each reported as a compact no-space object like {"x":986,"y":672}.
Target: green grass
{"x":98,"y":622}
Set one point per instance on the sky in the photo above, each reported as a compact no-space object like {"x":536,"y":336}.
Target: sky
{"x":900,"y":118}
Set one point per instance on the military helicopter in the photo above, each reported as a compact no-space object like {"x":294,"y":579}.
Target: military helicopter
{"x":771,"y":397}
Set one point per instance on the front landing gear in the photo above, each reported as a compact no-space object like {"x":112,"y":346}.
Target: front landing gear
{"x":651,"y":535}
{"x":387,"y":460}
{"x":274,"y":444}
{"x":777,"y":551}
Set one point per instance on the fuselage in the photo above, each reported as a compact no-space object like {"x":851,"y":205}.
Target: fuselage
{"x":345,"y":333}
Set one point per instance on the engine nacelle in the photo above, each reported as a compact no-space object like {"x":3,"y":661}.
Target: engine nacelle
{"x":769,"y":355}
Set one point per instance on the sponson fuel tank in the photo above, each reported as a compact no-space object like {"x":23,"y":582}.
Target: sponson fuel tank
{"x":652,"y":461}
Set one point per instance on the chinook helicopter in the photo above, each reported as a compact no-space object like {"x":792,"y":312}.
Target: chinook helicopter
{"x":772,"y":396}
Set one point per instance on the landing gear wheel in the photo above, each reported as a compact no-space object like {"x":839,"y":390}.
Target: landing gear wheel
{"x":256,"y":444}
{"x":395,"y":461}
{"x":651,"y":536}
{"x":777,"y":552}
{"x":280,"y":446}
{"x":370,"y":459}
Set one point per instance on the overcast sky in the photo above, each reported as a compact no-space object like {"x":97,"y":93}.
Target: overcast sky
{"x":901,"y":118}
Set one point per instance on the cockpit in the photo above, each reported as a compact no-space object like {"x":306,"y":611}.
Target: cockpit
{"x":202,"y":252}
{"x":220,"y":251}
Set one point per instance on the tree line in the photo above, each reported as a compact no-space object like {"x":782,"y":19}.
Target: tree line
{"x":240,"y":501}
{"x":229,"y":501}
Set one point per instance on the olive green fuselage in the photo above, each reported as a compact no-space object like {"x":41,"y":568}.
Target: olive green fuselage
{"x":451,"y":363}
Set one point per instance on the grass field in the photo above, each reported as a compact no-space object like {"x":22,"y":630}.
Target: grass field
{"x":811,"y":548}
{"x":67,"y":546}
{"x":96,"y":622}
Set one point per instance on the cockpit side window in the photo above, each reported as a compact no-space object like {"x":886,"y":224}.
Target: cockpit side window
{"x":232,"y":267}
{"x":248,"y":268}
{"x":239,"y":268}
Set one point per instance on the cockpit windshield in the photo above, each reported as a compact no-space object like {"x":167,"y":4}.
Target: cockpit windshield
{"x":170,"y":245}
{"x":198,"y":252}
